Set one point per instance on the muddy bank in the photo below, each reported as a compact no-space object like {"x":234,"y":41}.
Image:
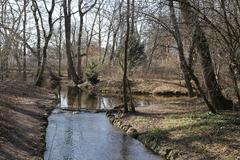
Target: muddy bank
{"x":183,"y":129}
{"x":23,"y":113}
{"x":145,"y":87}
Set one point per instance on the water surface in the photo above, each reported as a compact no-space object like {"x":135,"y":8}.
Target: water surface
{"x":90,"y":136}
{"x":76,"y":135}
{"x":73,"y":98}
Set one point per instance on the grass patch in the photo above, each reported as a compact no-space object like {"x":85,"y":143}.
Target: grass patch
{"x":197,"y":133}
{"x":154,"y":135}
{"x":42,"y":144}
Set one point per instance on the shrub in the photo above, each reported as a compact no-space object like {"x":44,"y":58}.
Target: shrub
{"x":92,"y":72}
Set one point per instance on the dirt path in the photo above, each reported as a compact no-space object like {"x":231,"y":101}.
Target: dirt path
{"x":22,"y":107}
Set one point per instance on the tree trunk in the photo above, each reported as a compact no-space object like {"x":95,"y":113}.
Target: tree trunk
{"x":39,"y":78}
{"x":81,"y":15}
{"x":79,"y":48}
{"x":235,"y":82}
{"x":182,"y":59}
{"x":92,"y":30}
{"x":125,"y":79}
{"x":47,"y":37}
{"x":132,"y":17}
{"x":60,"y":45}
{"x":110,"y":27}
{"x":67,"y":18}
{"x":107,"y":43}
{"x":38,"y":50}
{"x":113,"y":48}
{"x":100,"y":34}
{"x":24,"y":39}
{"x":216,"y":96}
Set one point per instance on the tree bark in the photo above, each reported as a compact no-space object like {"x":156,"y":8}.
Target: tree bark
{"x":67,"y":19}
{"x":92,"y":30}
{"x":79,"y":48}
{"x":60,"y":45}
{"x":47,"y":37}
{"x":214,"y":90}
{"x":38,"y":50}
{"x":125,"y":79}
{"x":79,"y":44}
{"x":24,"y":39}
{"x":182,"y":59}
{"x":113,"y":48}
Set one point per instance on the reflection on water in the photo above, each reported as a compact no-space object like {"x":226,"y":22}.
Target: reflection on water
{"x":75,"y":98}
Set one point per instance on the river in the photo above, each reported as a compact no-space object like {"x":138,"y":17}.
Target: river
{"x":78,"y":135}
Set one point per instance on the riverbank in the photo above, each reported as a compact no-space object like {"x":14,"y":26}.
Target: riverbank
{"x":184,"y":129}
{"x":23,"y":118}
{"x":158,"y":87}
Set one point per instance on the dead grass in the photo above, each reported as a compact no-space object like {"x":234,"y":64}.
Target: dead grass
{"x":145,"y":86}
{"x":21,"y":116}
{"x":186,"y":125}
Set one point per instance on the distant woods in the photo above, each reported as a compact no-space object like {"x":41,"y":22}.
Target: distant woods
{"x":197,"y":41}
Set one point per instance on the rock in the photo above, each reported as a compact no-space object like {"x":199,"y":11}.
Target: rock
{"x":168,"y":153}
{"x":125,"y":127}
{"x":153,"y":145}
{"x":45,"y":115}
{"x":108,"y":114}
{"x":132,"y":132}
{"x":111,"y":119}
{"x":173,"y":154}
{"x":161,"y":152}
{"x":119,"y":124}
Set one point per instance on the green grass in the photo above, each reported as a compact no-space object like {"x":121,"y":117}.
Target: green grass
{"x":204,"y":133}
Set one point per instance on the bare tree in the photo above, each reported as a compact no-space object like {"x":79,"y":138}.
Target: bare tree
{"x":81,"y":12}
{"x":116,"y":32}
{"x":37,"y":26}
{"x":24,"y":39}
{"x":47,"y":37}
{"x":92,"y":30}
{"x":178,"y":39}
{"x":110,"y":26}
{"x":214,"y":90}
{"x":187,"y":69}
{"x":67,"y":19}
{"x":60,"y":45}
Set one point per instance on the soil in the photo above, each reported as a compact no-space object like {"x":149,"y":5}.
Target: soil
{"x":23,"y":110}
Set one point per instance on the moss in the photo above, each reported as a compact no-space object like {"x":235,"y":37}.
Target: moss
{"x":155,"y":135}
{"x":42,"y":139}
{"x":43,"y":130}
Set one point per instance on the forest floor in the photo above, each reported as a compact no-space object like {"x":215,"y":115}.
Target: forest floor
{"x":185,"y":125}
{"x":23,"y":111}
